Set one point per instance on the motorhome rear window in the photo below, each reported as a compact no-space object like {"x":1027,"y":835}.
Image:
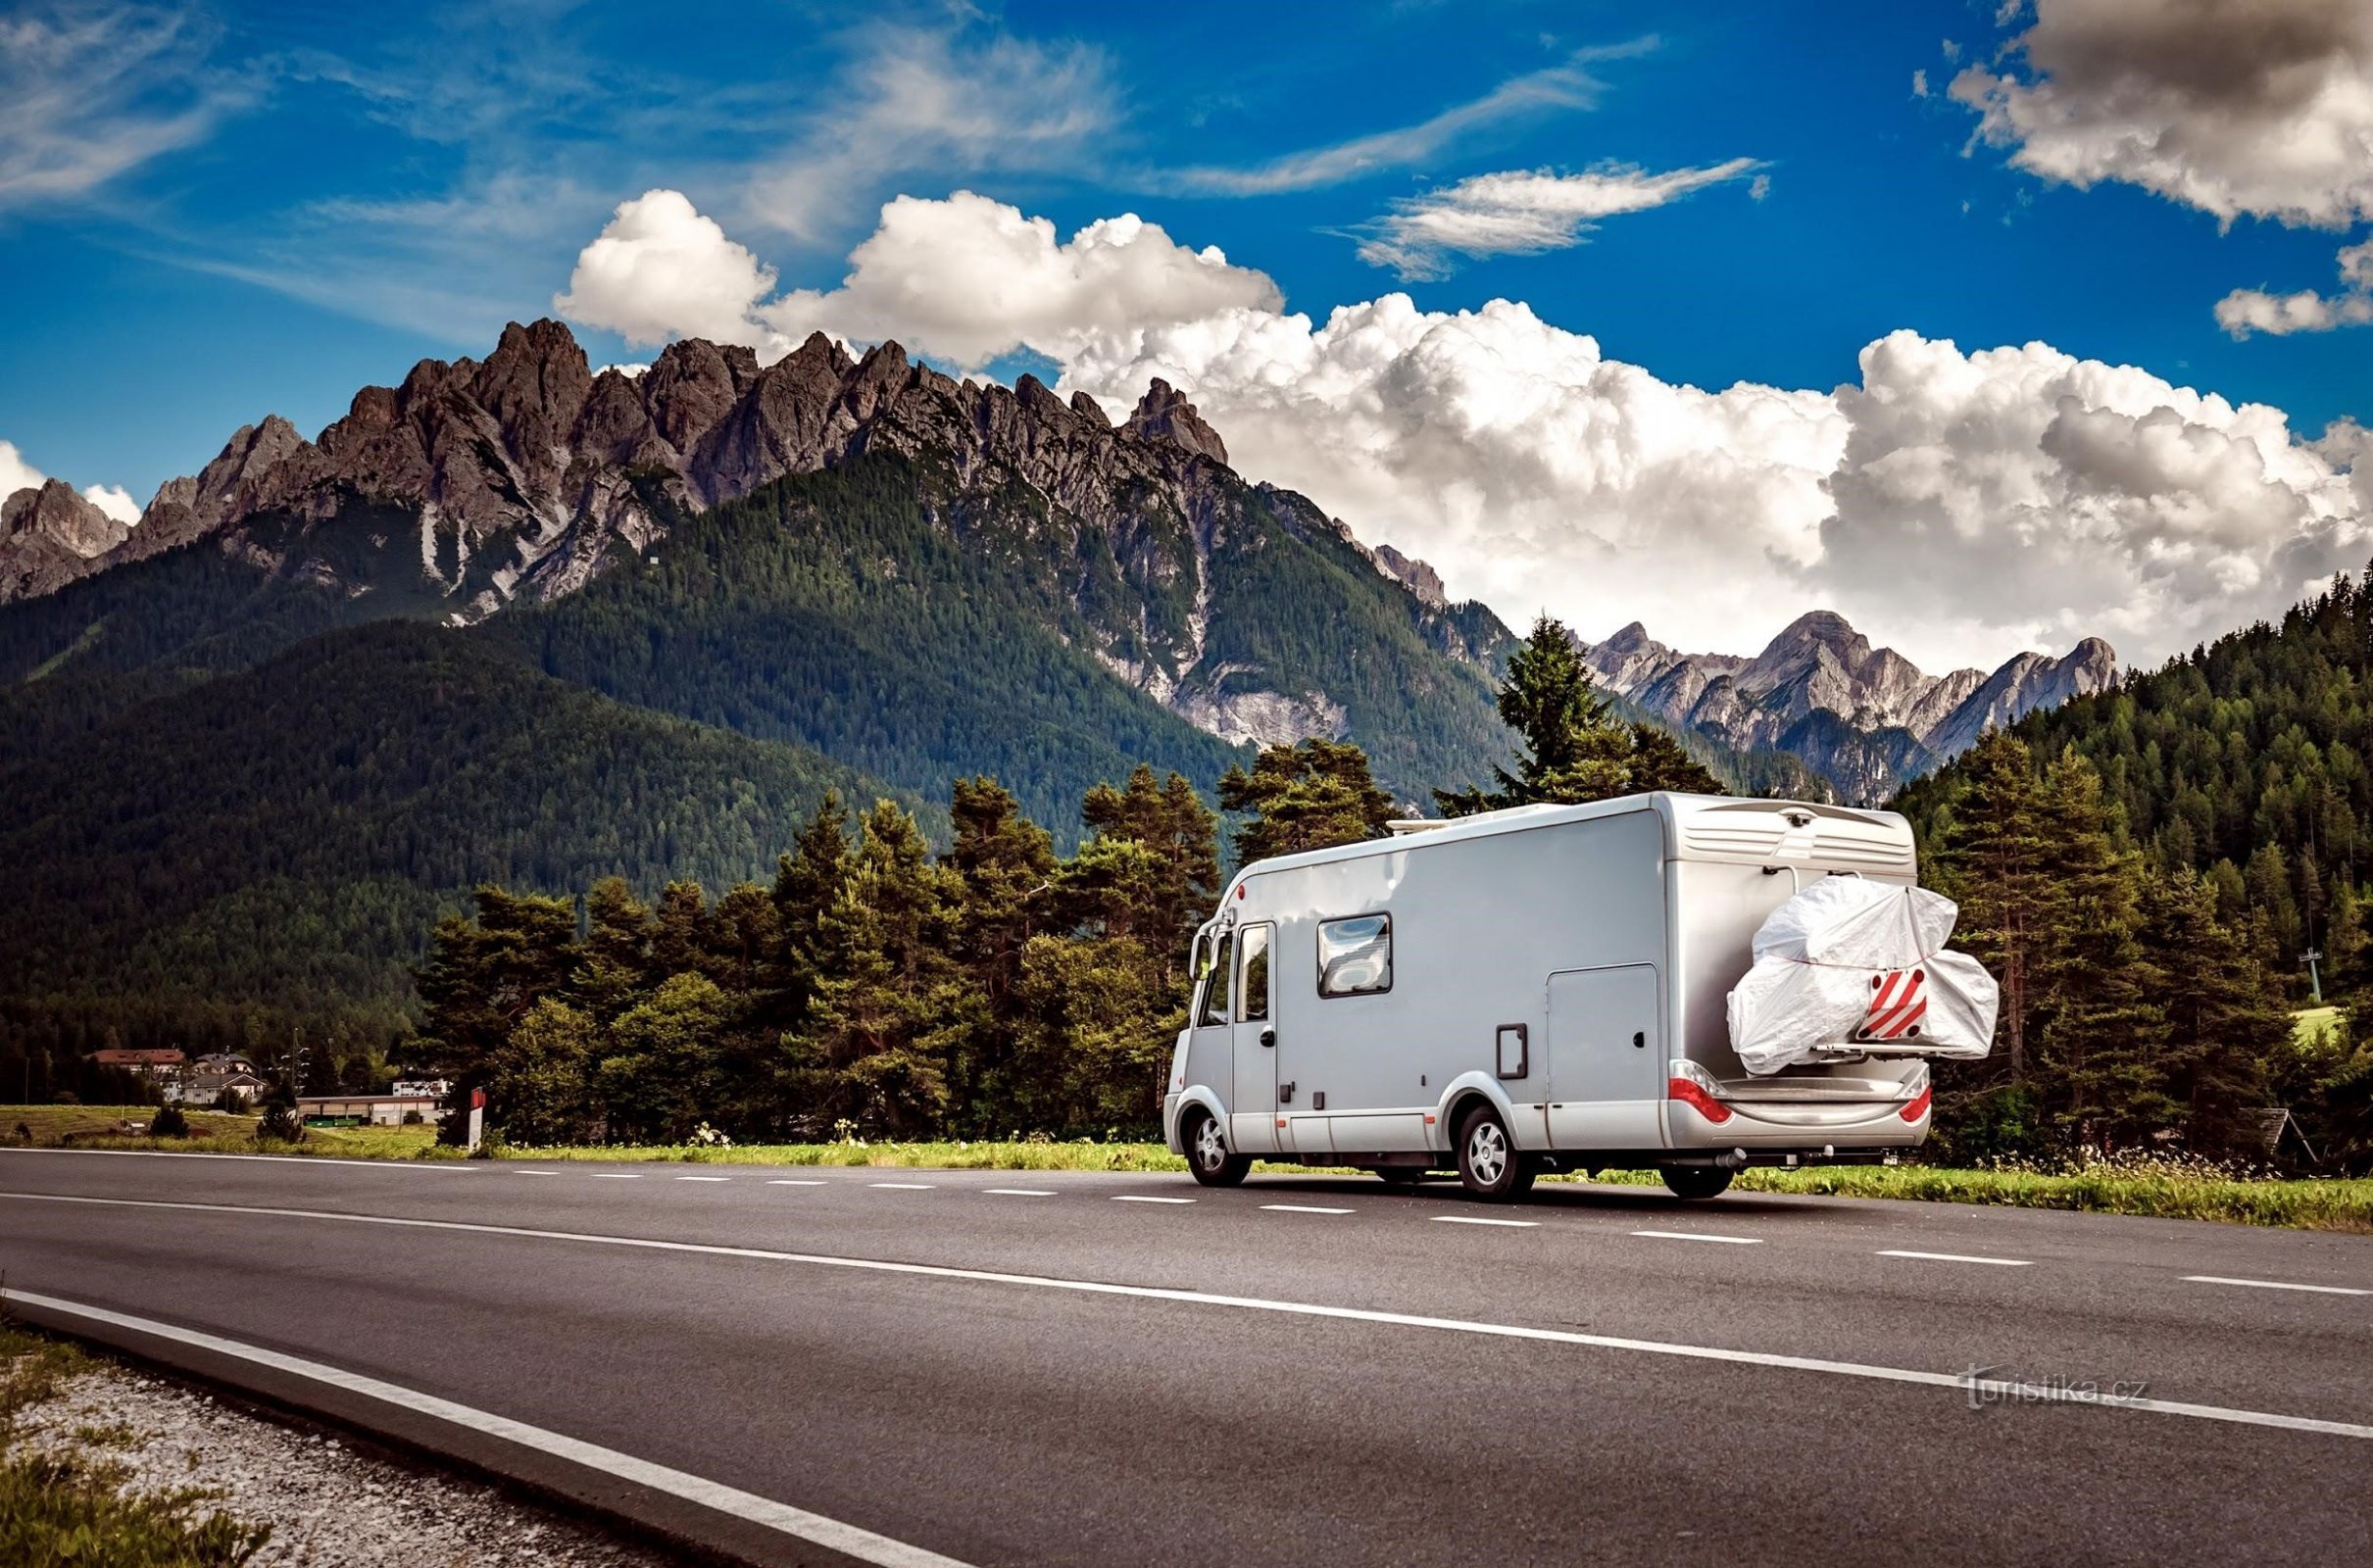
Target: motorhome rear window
{"x":1355,"y":956}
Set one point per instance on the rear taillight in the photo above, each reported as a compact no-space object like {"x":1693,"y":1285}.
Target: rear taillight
{"x":1918,"y":1105}
{"x":1689,"y":1093}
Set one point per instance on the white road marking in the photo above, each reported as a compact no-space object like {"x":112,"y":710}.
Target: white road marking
{"x":795,"y":1181}
{"x":1019,"y":1192}
{"x":1700,"y":1236}
{"x":704,"y":1178}
{"x":2277,"y":1285}
{"x":905,"y":1187}
{"x":1959,"y":1381}
{"x":1302,"y":1208}
{"x":812,"y":1528}
{"x":1140,"y":1198}
{"x":535,"y":1173}
{"x":1477,"y":1219}
{"x":448,"y":1168}
{"x":1962,"y":1257}
{"x":618,"y":1176}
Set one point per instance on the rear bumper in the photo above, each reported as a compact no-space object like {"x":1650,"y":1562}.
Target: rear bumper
{"x":1795,"y":1127}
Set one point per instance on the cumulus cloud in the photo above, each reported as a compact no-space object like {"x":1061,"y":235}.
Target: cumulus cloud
{"x":964,"y":280}
{"x":660,"y":270}
{"x":1957,"y":504}
{"x":2248,"y":310}
{"x":115,"y":500}
{"x":2263,"y":107}
{"x":15,"y":473}
{"x":1522,"y":212}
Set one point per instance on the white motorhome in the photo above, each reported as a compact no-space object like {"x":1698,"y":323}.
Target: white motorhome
{"x":1529,"y":990}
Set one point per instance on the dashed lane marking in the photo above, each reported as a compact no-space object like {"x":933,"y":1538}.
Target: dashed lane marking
{"x":2277,"y":1285}
{"x":1479,"y":1219}
{"x":1019,"y":1192}
{"x":704,"y":1178}
{"x":1140,"y":1198}
{"x":795,"y":1181}
{"x":1302,"y":1208}
{"x":905,"y":1187}
{"x":1700,"y":1236}
{"x":1959,"y":1257}
{"x":1960,"y":1384}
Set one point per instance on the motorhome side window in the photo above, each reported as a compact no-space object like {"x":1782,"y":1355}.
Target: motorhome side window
{"x":1254,"y":1005}
{"x":1355,"y":956}
{"x":1215,"y":986}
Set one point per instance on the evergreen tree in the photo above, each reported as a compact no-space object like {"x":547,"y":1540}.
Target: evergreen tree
{"x":539,"y":1082}
{"x":2100,"y":1035}
{"x":484,"y":974}
{"x":1574,"y":750}
{"x":1163,"y":889}
{"x":1309,"y":796}
{"x":2225,"y":1020}
{"x":1995,"y":857}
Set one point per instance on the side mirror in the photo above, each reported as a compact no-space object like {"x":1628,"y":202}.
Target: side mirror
{"x":1268,"y":1037}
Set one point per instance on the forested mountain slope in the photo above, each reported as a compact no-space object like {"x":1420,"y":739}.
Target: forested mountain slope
{"x":2246,"y":760}
{"x":277,"y":843}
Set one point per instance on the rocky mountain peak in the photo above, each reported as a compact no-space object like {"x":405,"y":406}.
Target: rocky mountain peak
{"x":1864,"y":717}
{"x":1165,"y":415}
{"x":1413,"y":575}
{"x":56,"y":512}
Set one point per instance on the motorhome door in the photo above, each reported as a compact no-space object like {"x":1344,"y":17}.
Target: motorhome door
{"x":1606,"y":1058}
{"x":1253,"y":1118}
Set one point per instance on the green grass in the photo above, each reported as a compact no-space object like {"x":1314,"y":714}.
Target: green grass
{"x":2308,"y":1022}
{"x":69,"y":1509}
{"x":2165,"y":1189}
{"x":211,"y":1133}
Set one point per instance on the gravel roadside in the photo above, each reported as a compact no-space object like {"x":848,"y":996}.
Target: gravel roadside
{"x":327,"y":1503}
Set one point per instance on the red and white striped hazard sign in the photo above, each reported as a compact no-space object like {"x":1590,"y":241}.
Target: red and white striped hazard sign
{"x":1899,"y":1000}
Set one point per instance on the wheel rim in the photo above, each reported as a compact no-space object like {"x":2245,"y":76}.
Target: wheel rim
{"x":1486,"y":1153}
{"x":1210,"y":1149}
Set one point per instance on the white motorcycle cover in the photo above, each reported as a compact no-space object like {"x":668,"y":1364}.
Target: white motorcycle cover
{"x":1848,"y":963}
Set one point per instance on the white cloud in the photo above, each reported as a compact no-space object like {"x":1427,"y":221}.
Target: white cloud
{"x":916,"y":98}
{"x":1919,"y":84}
{"x":2263,"y":107}
{"x":1568,"y":85}
{"x":1522,"y":212}
{"x":15,"y":473}
{"x":18,"y":474}
{"x":964,"y":280}
{"x":1959,"y":505}
{"x":91,"y":91}
{"x":2248,"y":310}
{"x":660,"y":269}
{"x":115,"y":500}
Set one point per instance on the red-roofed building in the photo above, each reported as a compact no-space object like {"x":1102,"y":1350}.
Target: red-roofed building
{"x":148,"y":1063}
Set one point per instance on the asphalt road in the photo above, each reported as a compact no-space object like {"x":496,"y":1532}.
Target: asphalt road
{"x":1072,"y":1368}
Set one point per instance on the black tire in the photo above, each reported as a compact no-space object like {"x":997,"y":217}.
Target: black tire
{"x":1403,"y":1176}
{"x":1697,"y":1181}
{"x":1207,"y":1154}
{"x":1489,"y":1166}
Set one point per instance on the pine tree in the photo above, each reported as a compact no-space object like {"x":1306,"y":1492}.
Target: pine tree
{"x":1574,"y":750}
{"x":1994,"y":845}
{"x":483,"y":974}
{"x":540,"y":1082}
{"x":1311,"y":796}
{"x":1162,"y":904}
{"x":2100,"y":1035}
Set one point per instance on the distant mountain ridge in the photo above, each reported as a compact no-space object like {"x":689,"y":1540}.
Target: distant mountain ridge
{"x":526,"y":475}
{"x":1864,"y":718}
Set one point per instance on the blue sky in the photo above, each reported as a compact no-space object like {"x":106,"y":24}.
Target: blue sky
{"x":209,"y":214}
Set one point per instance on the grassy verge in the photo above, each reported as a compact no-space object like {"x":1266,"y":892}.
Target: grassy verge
{"x":211,"y":1133}
{"x":70,"y":1508}
{"x":2170,"y":1189}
